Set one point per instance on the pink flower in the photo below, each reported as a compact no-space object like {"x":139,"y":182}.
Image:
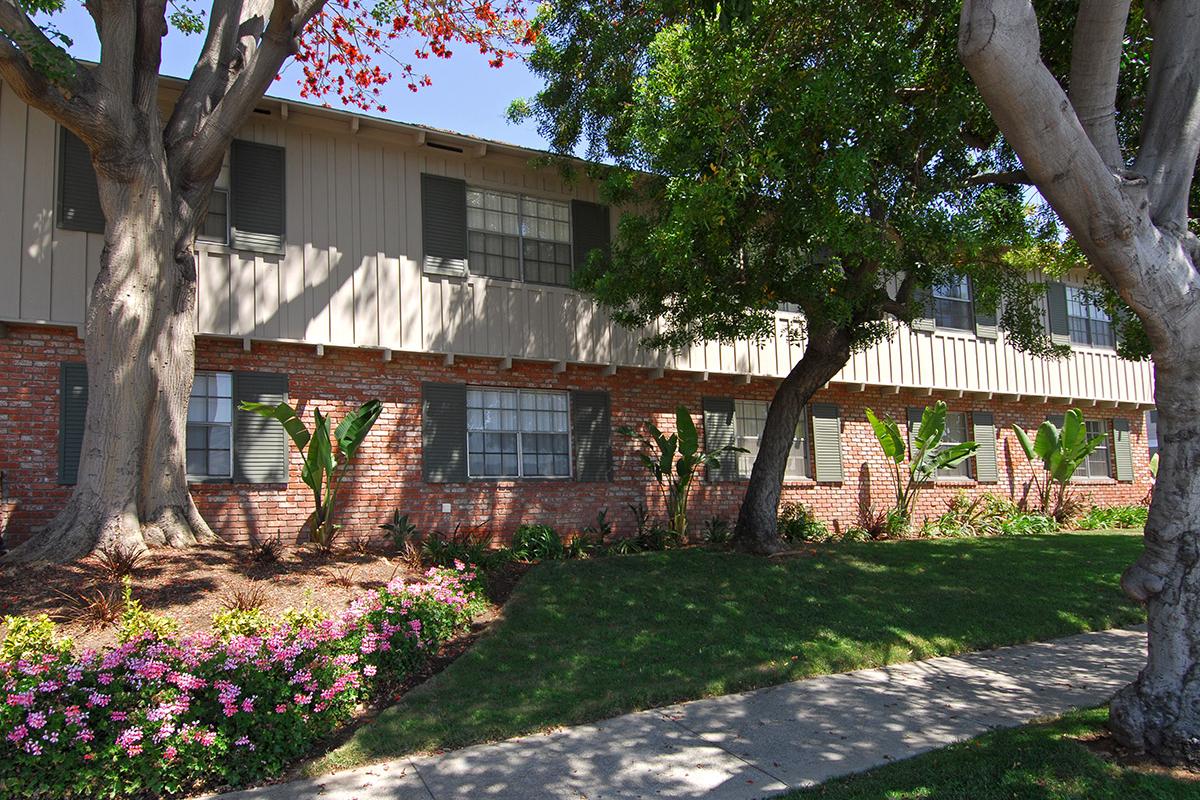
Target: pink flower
{"x":36,"y":720}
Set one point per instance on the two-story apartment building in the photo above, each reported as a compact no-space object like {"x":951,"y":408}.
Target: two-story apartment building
{"x":346,"y":257}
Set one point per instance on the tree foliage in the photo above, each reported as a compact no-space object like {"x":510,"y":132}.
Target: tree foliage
{"x":802,"y":153}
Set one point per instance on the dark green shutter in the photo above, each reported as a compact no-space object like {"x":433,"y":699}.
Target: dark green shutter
{"x":72,"y":414}
{"x":256,"y":196}
{"x":719,"y":432}
{"x":78,"y":196}
{"x":1056,"y":304}
{"x":827,"y":443}
{"x":444,"y":224}
{"x":984,"y":425}
{"x":591,"y":427}
{"x":914,"y":424}
{"x":444,"y":432}
{"x":924,"y":300}
{"x":986,"y":324}
{"x":260,"y":445}
{"x":589,"y":229}
{"x":1122,"y":452}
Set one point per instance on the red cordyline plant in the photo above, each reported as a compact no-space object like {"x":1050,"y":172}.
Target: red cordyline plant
{"x":343,"y":44}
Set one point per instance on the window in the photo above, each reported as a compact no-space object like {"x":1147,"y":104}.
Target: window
{"x":1086,"y":321}
{"x":749,"y":419}
{"x":215,"y":225}
{"x":210,"y":426}
{"x":1097,"y":463}
{"x":494,"y":234}
{"x":517,"y":434}
{"x":956,"y":433}
{"x":516,"y":237}
{"x":952,"y":304}
{"x":1152,"y":431}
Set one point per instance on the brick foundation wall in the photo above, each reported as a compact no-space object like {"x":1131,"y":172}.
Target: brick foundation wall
{"x":387,"y":473}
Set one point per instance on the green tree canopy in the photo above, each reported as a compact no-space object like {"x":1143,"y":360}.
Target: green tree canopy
{"x":826,"y":156}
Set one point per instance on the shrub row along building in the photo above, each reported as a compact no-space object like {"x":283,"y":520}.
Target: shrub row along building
{"x":345,"y":258}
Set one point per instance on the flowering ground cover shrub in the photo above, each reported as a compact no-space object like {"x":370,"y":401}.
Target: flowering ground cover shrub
{"x":162,"y":715}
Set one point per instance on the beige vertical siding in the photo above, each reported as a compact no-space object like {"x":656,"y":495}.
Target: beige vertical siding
{"x":350,"y":274}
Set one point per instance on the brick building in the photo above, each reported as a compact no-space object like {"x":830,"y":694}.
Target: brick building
{"x":346,"y":258}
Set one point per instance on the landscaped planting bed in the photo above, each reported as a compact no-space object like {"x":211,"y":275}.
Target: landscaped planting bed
{"x":164,"y":713}
{"x":193,"y":584}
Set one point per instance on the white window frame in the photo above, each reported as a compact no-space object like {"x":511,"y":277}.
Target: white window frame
{"x":744,"y":437}
{"x":208,"y":425}
{"x":964,"y":471}
{"x":940,"y":293}
{"x":521,"y":236}
{"x":1085,"y":471}
{"x":221,"y":185}
{"x":520,"y":434}
{"x":1091,"y":318}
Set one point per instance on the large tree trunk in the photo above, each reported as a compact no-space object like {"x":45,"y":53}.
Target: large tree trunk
{"x":757,"y":529}
{"x":1133,"y":225}
{"x":132,"y":485}
{"x":1159,"y":713}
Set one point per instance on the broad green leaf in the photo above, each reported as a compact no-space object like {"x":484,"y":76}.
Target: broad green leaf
{"x":689,"y":439}
{"x":954,"y":454}
{"x":285,"y":415}
{"x":887,"y":432}
{"x":1023,"y":438}
{"x":932,"y":427}
{"x":1074,"y":433}
{"x":355,"y":427}
{"x":1046,"y":442}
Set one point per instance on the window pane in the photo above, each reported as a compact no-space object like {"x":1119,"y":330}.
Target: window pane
{"x":197,"y":462}
{"x":195,"y":436}
{"x":956,"y":433}
{"x":218,"y":437}
{"x":954,"y":314}
{"x":218,"y":463}
{"x":215,"y":226}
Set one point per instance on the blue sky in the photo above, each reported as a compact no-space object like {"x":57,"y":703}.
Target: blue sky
{"x":466,"y":96}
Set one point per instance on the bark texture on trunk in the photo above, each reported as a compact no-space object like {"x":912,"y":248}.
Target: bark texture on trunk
{"x":155,"y":181}
{"x":1159,"y":713}
{"x":132,"y":487}
{"x":1133,"y":225}
{"x":757,"y":529}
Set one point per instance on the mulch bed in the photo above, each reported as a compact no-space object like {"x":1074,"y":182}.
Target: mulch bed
{"x":1105,"y":747}
{"x":191,"y":585}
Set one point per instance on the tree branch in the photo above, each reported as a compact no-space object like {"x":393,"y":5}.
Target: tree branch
{"x":151,"y":28}
{"x":264,"y":44}
{"x":1012,"y":177}
{"x":1095,"y":69}
{"x":1000,"y":46}
{"x":210,"y":75}
{"x":1171,"y":131}
{"x":114,"y":74}
{"x":66,"y":100}
{"x":1106,"y":212}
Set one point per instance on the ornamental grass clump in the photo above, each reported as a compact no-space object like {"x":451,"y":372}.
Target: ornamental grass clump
{"x":162,"y":714}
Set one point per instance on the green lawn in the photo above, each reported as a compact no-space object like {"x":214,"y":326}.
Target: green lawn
{"x":584,"y":640}
{"x":1036,"y":762}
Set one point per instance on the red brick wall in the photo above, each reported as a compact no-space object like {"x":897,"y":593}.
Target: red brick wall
{"x":388,"y":469}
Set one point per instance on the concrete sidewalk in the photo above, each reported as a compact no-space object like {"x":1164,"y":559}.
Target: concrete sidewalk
{"x":758,"y":743}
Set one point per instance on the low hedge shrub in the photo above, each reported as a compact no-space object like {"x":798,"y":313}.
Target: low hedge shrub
{"x":162,"y":714}
{"x":1098,"y":518}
